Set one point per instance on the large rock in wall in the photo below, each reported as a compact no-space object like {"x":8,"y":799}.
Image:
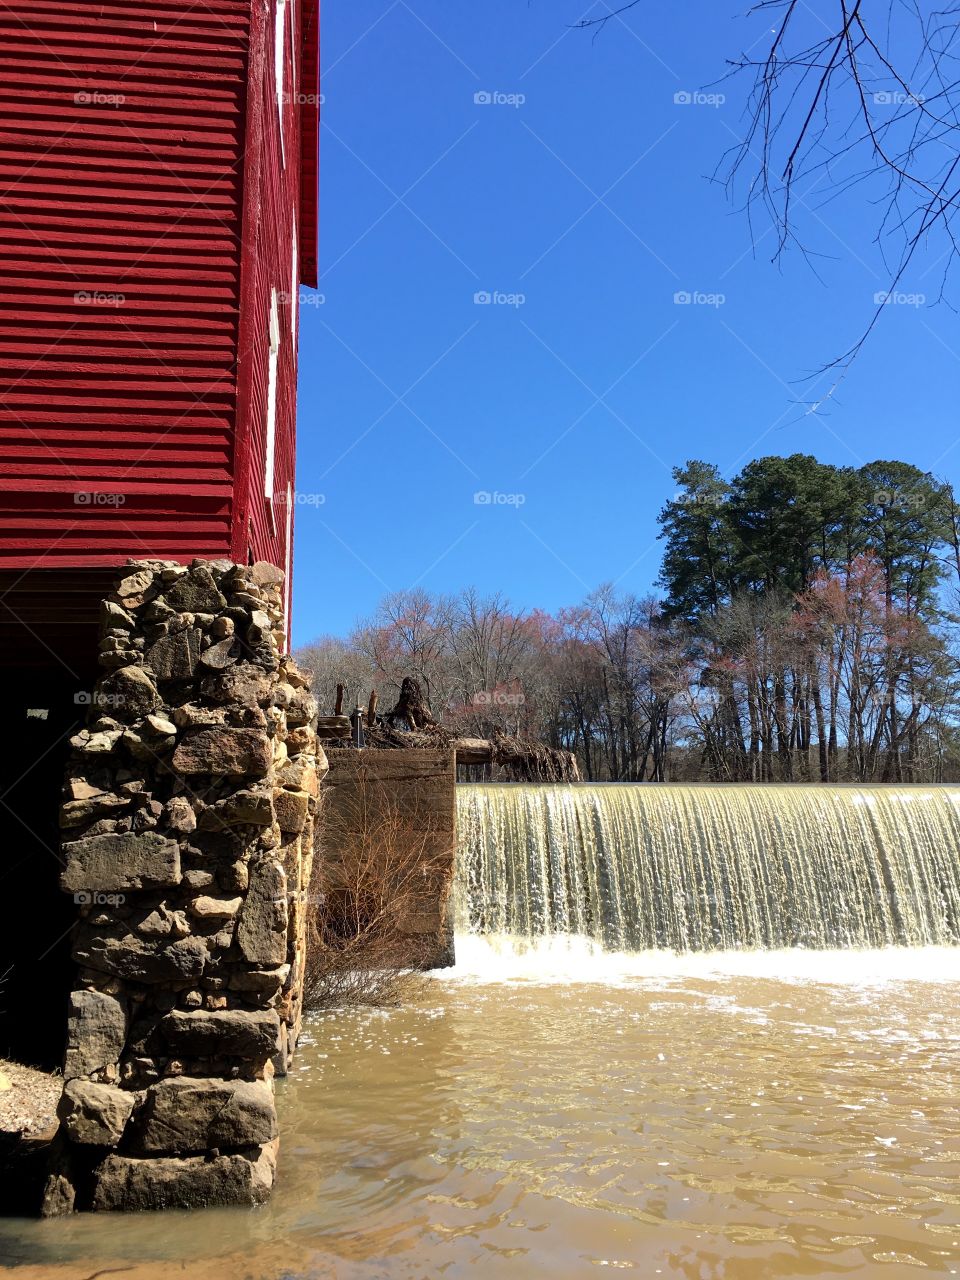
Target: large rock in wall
{"x":188,"y":816}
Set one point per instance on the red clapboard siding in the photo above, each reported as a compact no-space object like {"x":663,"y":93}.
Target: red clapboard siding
{"x":282,"y":203}
{"x":150,"y":191}
{"x":121,"y":192}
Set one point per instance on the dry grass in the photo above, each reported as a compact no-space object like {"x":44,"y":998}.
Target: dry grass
{"x":375,"y":871}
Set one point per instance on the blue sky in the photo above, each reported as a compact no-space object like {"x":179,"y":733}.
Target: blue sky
{"x":576,"y":191}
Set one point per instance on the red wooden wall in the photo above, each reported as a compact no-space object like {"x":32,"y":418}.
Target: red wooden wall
{"x":273,"y":269}
{"x":145,"y":217}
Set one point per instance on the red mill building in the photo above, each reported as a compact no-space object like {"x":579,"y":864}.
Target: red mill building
{"x":159,"y":214}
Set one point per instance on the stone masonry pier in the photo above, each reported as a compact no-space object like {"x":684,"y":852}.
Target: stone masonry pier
{"x":188,"y":834}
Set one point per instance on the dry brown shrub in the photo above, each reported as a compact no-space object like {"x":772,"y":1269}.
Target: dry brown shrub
{"x":376,"y":867}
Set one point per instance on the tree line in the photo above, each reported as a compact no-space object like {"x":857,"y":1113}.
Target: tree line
{"x":805,"y":630}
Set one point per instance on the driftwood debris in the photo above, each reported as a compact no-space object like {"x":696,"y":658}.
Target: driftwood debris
{"x":524,"y":761}
{"x":517,"y":759}
{"x":384,"y":737}
{"x":473,"y":750}
{"x":410,"y":724}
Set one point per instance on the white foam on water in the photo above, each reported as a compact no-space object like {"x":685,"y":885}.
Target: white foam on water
{"x":569,"y":958}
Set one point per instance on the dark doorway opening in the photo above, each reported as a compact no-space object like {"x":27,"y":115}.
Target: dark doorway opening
{"x":42,"y":708}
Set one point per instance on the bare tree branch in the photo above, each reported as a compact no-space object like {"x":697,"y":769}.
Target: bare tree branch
{"x":602,"y":21}
{"x":864,"y":105}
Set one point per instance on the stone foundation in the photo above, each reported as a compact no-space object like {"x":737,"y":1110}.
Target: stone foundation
{"x":188,"y":816}
{"x":417,"y":788}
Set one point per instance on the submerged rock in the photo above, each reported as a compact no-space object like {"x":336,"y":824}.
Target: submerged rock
{"x":191,"y":1182}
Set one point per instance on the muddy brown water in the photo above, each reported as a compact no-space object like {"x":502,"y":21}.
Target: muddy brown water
{"x":568,"y":1114}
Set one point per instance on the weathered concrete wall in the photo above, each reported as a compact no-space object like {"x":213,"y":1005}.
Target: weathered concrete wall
{"x":419,"y":788}
{"x":187,"y":822}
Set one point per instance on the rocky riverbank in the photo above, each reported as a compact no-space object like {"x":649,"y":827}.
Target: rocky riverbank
{"x":28,"y":1100}
{"x":28,"y":1124}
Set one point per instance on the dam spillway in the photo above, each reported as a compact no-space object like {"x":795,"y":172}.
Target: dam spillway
{"x":638,"y":867}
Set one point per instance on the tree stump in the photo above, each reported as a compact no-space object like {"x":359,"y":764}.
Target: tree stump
{"x":412,"y":707}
